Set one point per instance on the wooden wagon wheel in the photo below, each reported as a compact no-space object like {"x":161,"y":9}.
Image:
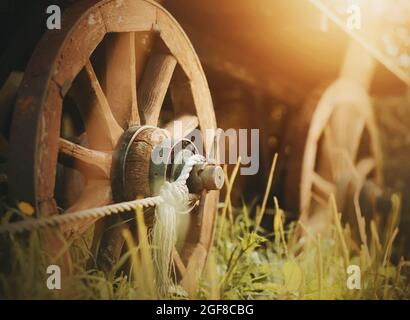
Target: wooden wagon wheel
{"x":334,"y":146}
{"x":334,"y":149}
{"x":114,"y":61}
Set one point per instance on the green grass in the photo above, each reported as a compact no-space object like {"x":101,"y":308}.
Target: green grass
{"x":246,"y":262}
{"x":246,"y":265}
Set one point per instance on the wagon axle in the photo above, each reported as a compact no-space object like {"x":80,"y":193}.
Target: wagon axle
{"x":146,"y":157}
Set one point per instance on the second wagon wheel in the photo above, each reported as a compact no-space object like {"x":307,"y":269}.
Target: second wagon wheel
{"x":90,"y":97}
{"x":334,"y":147}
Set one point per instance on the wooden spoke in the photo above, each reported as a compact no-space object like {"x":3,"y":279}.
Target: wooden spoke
{"x":134,"y":115}
{"x":96,"y":193}
{"x":120,"y":67}
{"x":319,"y":199}
{"x":342,"y":163}
{"x":330,"y":140}
{"x":355,"y":130}
{"x":182,"y":126}
{"x":103,"y":130}
{"x":99,"y":160}
{"x":179,"y":264}
{"x":338,"y":124}
{"x":326,"y":155}
{"x":323,"y":185}
{"x":364,"y":167}
{"x":120,"y":80}
{"x":347,"y":127}
{"x":154,"y":85}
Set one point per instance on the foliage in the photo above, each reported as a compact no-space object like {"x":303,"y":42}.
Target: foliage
{"x":246,"y":262}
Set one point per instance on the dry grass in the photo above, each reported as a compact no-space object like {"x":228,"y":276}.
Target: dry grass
{"x":246,"y":262}
{"x":249,"y":266}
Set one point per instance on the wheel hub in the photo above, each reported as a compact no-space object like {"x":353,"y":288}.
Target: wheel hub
{"x":131,"y":162}
{"x":146,"y":157}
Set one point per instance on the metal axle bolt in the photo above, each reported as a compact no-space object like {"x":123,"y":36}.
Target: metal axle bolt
{"x":206,"y":177}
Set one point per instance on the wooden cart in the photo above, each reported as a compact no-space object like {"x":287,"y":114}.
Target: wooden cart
{"x":308,"y":78}
{"x":118,"y":65}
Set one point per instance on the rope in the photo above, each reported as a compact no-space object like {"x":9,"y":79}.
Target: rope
{"x":164,"y":232}
{"x":117,"y":208}
{"x":172,"y":199}
{"x":56,"y":220}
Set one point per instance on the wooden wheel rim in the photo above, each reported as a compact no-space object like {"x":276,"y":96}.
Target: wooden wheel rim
{"x":343,"y":92}
{"x":57,"y":61}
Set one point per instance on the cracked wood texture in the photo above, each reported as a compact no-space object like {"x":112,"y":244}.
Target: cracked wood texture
{"x":115,"y":61}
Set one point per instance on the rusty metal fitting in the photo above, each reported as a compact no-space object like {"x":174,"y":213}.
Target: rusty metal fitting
{"x":205,"y":177}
